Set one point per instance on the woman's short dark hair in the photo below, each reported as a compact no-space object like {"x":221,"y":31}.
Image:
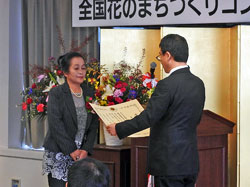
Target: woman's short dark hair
{"x":64,"y":60}
{"x":176,"y":45}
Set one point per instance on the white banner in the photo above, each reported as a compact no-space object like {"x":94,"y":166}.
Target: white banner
{"x":92,"y":13}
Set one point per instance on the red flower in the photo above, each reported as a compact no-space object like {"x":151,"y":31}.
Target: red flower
{"x":123,"y":89}
{"x":40,"y":107}
{"x":110,"y":98}
{"x":29,"y":101}
{"x":59,"y":72}
{"x":144,"y":91}
{"x":24,"y":106}
{"x":132,"y":87}
{"x":98,"y":94}
{"x":111,"y":103}
{"x":128,"y":99}
{"x":88,"y":106}
{"x":124,"y":84}
{"x":33,"y":85}
{"x":131,"y":77}
{"x":149,"y":85}
{"x":118,"y":100}
{"x":118,"y":85}
{"x":53,"y":86}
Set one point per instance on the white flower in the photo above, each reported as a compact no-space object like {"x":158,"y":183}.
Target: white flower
{"x":108,"y":91}
{"x":60,"y":80}
{"x":51,"y":84}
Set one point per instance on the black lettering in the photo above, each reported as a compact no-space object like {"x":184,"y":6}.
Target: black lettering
{"x":215,"y":8}
{"x":245,"y":10}
{"x":144,"y":4}
{"x":99,"y":9}
{"x":86,"y":6}
{"x":127,"y":10}
{"x":162,"y":6}
{"x":181,"y":10}
{"x":193,"y":7}
{"x":115,"y":6}
{"x":233,"y":10}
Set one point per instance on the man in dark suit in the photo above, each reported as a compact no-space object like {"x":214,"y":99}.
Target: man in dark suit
{"x":173,"y":113}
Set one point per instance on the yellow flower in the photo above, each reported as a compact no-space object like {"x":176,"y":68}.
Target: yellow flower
{"x":103,"y":103}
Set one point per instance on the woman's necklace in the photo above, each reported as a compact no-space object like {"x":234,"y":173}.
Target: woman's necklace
{"x":76,"y":94}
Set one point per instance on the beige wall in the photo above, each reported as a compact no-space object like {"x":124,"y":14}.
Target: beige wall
{"x":244,"y":107}
{"x":114,"y":41}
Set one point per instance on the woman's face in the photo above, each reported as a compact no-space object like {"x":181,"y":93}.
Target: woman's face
{"x":77,"y":71}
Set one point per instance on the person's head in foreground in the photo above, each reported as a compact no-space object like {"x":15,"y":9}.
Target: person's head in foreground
{"x":88,"y":172}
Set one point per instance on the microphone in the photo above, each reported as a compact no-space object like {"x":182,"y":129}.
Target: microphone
{"x":152,"y":69}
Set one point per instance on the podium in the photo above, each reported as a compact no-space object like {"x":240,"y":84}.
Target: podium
{"x":213,"y":152}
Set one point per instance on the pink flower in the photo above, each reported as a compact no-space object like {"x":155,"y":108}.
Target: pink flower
{"x":47,"y":99}
{"x":51,"y":58}
{"x":40,"y":107}
{"x":40,"y":77}
{"x":118,"y":93}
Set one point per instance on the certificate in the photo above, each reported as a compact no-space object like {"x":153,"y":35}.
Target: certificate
{"x":119,"y":113}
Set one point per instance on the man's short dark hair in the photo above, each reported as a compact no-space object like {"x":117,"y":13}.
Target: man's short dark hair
{"x":88,"y":172}
{"x":176,"y":45}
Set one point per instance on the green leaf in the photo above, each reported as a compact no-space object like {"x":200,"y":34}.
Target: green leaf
{"x":52,"y":78}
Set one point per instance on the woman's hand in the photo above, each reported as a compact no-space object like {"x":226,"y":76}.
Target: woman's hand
{"x":83,"y":154}
{"x":75,"y":155}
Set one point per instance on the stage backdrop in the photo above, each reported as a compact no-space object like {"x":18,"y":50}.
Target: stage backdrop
{"x":86,"y":13}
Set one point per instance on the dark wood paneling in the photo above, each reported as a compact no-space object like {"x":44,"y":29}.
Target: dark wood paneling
{"x":212,"y":147}
{"x":117,"y":159}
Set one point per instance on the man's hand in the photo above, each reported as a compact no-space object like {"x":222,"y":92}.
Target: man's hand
{"x":111,"y":129}
{"x":83,"y":154}
{"x":75,"y":155}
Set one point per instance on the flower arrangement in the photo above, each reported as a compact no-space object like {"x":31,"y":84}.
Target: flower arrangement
{"x":35,"y":97}
{"x":124,"y":84}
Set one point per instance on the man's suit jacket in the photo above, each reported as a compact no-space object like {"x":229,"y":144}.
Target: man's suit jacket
{"x":173,"y":113}
{"x":62,"y":120}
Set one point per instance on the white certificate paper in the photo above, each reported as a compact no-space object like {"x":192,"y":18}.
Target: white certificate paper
{"x":119,"y":113}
